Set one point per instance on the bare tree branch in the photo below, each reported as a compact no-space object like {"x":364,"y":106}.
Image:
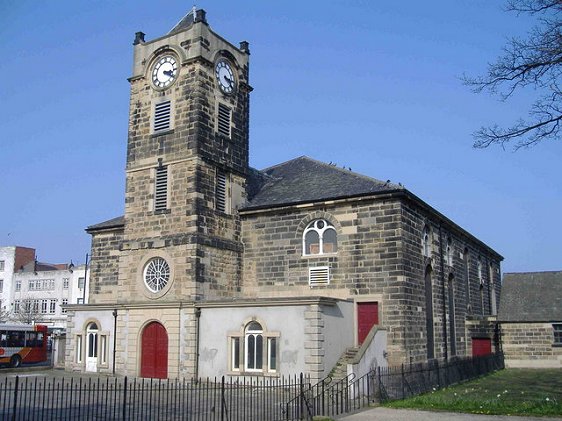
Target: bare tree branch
{"x":29,"y":312}
{"x":536,"y":63}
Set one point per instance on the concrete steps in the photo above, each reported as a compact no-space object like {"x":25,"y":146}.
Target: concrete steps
{"x":340,"y":369}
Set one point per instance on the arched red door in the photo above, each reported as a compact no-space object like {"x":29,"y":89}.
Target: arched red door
{"x":154,"y":351}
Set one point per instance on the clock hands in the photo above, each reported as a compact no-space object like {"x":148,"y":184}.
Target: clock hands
{"x":168,"y":73}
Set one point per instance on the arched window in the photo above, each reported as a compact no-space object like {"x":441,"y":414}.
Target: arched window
{"x":319,"y":237}
{"x":466,"y":260}
{"x":253,"y":349}
{"x":452,"y":327}
{"x":492,"y":292}
{"x":426,"y":242}
{"x":481,"y":283}
{"x":254,"y":346}
{"x":449,"y":252}
{"x":429,"y":313}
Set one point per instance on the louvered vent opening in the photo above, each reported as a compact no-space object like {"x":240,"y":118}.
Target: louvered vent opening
{"x":162,"y":113}
{"x":161,"y":189}
{"x":318,"y":276}
{"x":224,"y":120}
{"x":221,"y":191}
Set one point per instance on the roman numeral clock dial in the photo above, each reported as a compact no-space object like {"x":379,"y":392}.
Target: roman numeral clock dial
{"x":164,"y":71}
{"x":225,"y":76}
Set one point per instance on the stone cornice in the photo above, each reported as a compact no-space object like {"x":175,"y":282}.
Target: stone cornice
{"x":232,"y":303}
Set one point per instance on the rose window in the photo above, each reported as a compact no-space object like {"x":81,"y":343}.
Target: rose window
{"x":156,"y":274}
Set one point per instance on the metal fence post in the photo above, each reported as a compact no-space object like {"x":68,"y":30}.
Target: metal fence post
{"x":323,"y":399}
{"x":402,"y":378}
{"x":223,"y":402}
{"x":125,"y":399}
{"x":16,"y":398}
{"x":379,"y":382}
{"x":301,"y":400}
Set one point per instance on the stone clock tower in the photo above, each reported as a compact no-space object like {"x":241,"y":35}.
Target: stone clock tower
{"x":187,"y":161}
{"x":178,"y":244}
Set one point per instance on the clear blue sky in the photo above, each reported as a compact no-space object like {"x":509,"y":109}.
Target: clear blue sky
{"x":370,"y":85}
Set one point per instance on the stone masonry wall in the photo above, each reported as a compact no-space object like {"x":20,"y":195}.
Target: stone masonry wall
{"x":530,"y":345}
{"x":368,"y":261}
{"x":104,"y":265}
{"x":379,"y":254}
{"x":461,"y":268}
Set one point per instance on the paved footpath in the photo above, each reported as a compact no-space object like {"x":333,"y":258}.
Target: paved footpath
{"x":389,"y":414}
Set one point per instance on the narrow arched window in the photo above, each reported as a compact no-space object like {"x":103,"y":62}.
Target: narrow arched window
{"x":254,"y":346}
{"x":466,"y":260}
{"x":426,"y":242}
{"x":481,"y":282}
{"x":449,"y":252}
{"x":319,"y":237}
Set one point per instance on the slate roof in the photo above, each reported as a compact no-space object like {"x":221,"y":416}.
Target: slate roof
{"x":111,"y":223}
{"x":306,"y":180}
{"x":531,"y":297}
{"x":184,"y":23}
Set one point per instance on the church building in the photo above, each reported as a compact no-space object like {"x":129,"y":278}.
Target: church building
{"x":217,"y":268}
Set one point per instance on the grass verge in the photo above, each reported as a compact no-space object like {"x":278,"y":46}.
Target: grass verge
{"x":535,"y":392}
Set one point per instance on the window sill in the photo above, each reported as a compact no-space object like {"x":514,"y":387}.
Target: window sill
{"x":223,"y":136}
{"x":253,"y":374}
{"x":162,"y":212}
{"x":312,"y":256}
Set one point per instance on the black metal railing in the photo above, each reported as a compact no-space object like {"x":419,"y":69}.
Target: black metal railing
{"x":233,"y":399}
{"x":40,"y":398}
{"x":351,"y":394}
{"x":410,"y":380}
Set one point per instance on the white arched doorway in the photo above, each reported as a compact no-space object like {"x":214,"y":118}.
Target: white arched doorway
{"x":92,"y":347}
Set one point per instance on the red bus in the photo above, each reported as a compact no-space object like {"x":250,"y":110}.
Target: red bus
{"x":22,"y":344}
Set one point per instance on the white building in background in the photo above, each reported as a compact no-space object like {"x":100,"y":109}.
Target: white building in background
{"x":12,"y":259}
{"x":39,"y":290}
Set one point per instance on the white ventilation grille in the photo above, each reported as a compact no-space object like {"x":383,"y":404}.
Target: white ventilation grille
{"x":224,"y":116}
{"x":221,"y":191}
{"x":319,"y":275}
{"x":161,"y":189}
{"x":162,"y":113}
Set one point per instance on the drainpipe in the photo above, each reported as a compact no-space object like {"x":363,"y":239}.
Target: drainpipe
{"x":197,"y":319}
{"x":443,"y":294}
{"x":114,"y":337}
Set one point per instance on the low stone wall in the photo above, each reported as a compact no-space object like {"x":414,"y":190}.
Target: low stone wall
{"x":530,"y":345}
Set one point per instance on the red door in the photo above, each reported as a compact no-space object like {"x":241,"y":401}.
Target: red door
{"x":481,"y":346}
{"x":367,"y":317}
{"x":154,"y":351}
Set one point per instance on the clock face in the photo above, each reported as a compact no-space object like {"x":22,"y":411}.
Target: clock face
{"x":225,"y":76}
{"x":164,"y":72}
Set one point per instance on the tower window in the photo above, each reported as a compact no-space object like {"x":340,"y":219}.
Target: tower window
{"x":221,"y":193}
{"x":161,"y":189}
{"x":162,"y":116}
{"x":224,"y":120}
